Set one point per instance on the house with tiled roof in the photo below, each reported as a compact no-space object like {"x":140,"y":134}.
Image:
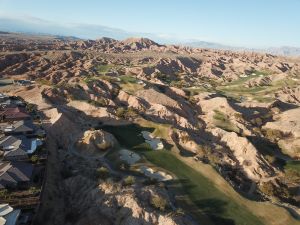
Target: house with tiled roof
{"x":15,"y":174}
{"x":17,"y":147}
{"x":22,"y":127}
{"x":13,"y":114}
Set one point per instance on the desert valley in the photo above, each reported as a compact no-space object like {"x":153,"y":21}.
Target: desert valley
{"x":142,"y":133}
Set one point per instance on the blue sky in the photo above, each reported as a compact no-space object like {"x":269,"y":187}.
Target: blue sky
{"x":248,"y":23}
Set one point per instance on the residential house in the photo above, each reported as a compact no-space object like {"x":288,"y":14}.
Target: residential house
{"x":23,"y":82}
{"x":22,"y":127}
{"x":15,"y":174}
{"x":13,"y":114}
{"x":3,"y":97}
{"x":8,"y":216}
{"x":18,"y":147}
{"x":11,"y":103}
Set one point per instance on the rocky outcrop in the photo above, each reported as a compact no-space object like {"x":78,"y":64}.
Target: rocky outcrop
{"x":285,"y":130}
{"x":290,"y":95}
{"x":250,"y":160}
{"x":94,"y":142}
{"x":109,"y":203}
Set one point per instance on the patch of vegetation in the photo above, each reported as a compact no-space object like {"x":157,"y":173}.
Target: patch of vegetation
{"x":164,"y":77}
{"x":126,"y":113}
{"x":130,"y":180}
{"x":270,"y":189}
{"x":209,"y":204}
{"x":273,"y":135}
{"x":4,"y":193}
{"x":102,"y":172}
{"x":104,"y":68}
{"x":100,"y":102}
{"x":34,"y":190}
{"x":159,"y":202}
{"x":127,"y":79}
{"x":222,"y":121}
{"x":193,"y":91}
{"x":292,"y":171}
{"x":43,"y":82}
{"x":34,"y":159}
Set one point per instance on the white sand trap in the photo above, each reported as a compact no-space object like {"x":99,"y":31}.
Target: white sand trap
{"x":155,"y":143}
{"x":158,"y":175}
{"x":129,"y":156}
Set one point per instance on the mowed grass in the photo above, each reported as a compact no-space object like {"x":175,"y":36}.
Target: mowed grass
{"x":129,"y":84}
{"x":210,"y":205}
{"x":293,"y":165}
{"x":236,"y":89}
{"x":104,"y":68}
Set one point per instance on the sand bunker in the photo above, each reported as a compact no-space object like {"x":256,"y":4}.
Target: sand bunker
{"x":155,"y":143}
{"x":158,"y":175}
{"x":129,"y":156}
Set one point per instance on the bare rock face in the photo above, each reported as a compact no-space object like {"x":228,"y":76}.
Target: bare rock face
{"x":96,"y":141}
{"x":286,"y":131}
{"x":131,"y":101}
{"x":290,"y":95}
{"x":185,"y":142}
{"x":109,"y":203}
{"x":252,"y":163}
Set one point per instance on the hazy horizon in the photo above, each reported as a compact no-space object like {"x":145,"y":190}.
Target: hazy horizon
{"x":254,"y":24}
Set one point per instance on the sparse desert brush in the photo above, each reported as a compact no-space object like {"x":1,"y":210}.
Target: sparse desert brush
{"x":159,"y":202}
{"x":102,"y":172}
{"x":130,"y":180}
{"x":273,"y":135}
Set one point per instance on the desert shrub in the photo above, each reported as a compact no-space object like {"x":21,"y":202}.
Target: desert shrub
{"x":102,"y":172}
{"x":130,"y":180}
{"x":126,"y":113}
{"x":273,"y":135}
{"x":292,"y":175}
{"x":238,"y":116}
{"x":292,"y":171}
{"x":222,"y":121}
{"x":257,"y":121}
{"x":120,"y":112}
{"x":270,"y":189}
{"x":31,"y":108}
{"x":193,"y":100}
{"x":185,"y":138}
{"x":220,"y":116}
{"x":159,"y":202}
{"x":101,"y":102}
{"x":163,"y":77}
{"x":43,"y":82}
{"x":128,"y":79}
{"x":4,"y":193}
{"x":270,"y":158}
{"x":178,"y":84}
{"x":34,"y":190}
{"x":34,"y":159}
{"x":103,"y":68}
{"x":130,"y":112}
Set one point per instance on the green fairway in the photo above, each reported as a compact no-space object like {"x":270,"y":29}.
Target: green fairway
{"x":210,"y":206}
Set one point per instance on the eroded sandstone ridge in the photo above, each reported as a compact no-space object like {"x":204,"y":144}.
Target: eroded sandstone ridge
{"x":226,"y":123}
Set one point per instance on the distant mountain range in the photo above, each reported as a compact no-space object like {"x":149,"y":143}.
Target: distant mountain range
{"x":33,"y":25}
{"x":284,"y":50}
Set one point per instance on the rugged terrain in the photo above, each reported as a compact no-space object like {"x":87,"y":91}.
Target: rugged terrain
{"x":228,"y":123}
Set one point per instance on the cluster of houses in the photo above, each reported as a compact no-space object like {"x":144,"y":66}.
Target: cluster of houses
{"x":20,"y":138}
